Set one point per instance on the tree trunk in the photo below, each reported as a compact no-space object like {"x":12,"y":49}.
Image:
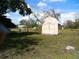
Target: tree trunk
{"x":27,"y":29}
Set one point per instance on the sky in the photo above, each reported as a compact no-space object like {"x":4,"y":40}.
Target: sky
{"x":67,"y":8}
{"x":63,"y":5}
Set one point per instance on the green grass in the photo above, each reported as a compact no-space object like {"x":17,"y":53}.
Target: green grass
{"x":37,"y":46}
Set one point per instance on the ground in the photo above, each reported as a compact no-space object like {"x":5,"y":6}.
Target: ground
{"x":33,"y":45}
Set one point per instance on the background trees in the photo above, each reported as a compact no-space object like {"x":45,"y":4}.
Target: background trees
{"x":72,"y":24}
{"x":76,"y":23}
{"x":30,"y":23}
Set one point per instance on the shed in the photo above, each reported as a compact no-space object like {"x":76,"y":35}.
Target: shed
{"x":50,"y":26}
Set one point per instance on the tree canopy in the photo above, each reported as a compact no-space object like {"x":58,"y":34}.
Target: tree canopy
{"x":72,"y":24}
{"x":12,"y":6}
{"x":30,"y":23}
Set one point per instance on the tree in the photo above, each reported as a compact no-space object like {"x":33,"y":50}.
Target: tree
{"x":69,"y":24}
{"x":23,"y":22}
{"x":53,"y":13}
{"x":76,"y":23}
{"x":11,"y":6}
{"x":26,"y":24}
{"x":72,"y":24}
{"x":32,"y":23}
{"x":29,"y":23}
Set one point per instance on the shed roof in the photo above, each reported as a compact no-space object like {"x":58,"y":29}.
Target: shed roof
{"x":50,"y":19}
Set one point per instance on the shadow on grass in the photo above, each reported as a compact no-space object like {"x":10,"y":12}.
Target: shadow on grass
{"x":21,"y":34}
{"x":20,"y":41}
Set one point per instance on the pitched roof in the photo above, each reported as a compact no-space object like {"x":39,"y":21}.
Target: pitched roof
{"x":50,"y":19}
{"x":6,"y":22}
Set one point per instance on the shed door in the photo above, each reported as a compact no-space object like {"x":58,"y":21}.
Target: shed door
{"x":50,"y":28}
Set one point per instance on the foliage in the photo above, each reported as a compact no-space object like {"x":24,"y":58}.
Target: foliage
{"x":71,"y":24}
{"x":76,"y":23}
{"x":13,"y":5}
{"x":53,"y":13}
{"x":30,"y":23}
{"x":23,"y":22}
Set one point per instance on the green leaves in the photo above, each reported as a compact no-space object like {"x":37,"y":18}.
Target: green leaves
{"x":14,"y":5}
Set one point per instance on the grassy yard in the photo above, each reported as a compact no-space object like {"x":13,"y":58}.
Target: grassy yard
{"x":36,"y":46}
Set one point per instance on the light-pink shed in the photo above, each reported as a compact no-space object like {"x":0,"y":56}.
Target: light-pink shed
{"x":50,"y":26}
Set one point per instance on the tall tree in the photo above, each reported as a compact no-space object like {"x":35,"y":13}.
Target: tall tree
{"x":12,"y":5}
{"x":69,"y":24}
{"x":26,"y":23}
